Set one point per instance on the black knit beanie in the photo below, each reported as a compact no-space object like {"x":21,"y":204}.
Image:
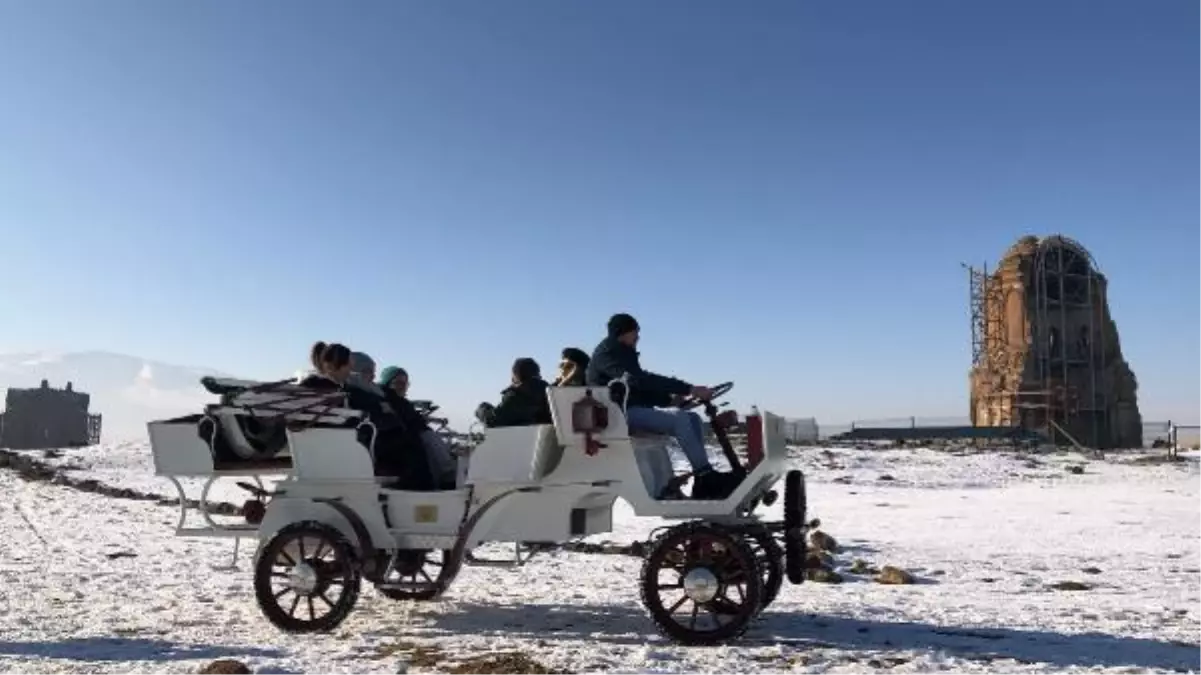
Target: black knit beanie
{"x":526,"y":369}
{"x":620,"y":324}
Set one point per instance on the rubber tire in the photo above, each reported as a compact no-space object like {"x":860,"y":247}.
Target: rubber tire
{"x":794,"y":522}
{"x":771,"y":565}
{"x":262,"y":578}
{"x":653,"y":603}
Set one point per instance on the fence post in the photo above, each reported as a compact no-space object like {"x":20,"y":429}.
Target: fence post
{"x":912,"y":422}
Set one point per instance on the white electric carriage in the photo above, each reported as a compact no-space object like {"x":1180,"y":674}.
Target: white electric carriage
{"x":329,"y":522}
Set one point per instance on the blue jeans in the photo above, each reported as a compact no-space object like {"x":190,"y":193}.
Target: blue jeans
{"x":686,"y":427}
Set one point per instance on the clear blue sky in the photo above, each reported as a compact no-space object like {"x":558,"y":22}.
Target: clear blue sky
{"x":781,"y":192}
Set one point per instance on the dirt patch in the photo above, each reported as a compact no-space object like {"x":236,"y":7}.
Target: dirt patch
{"x":226,"y":667}
{"x":414,"y":656}
{"x":501,"y":663}
{"x":894,"y":576}
{"x":1070,"y":586}
{"x":822,"y":541}
{"x":33,"y":470}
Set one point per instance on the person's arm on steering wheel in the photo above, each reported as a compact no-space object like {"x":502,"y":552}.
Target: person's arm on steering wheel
{"x":698,"y":393}
{"x":653,"y":382}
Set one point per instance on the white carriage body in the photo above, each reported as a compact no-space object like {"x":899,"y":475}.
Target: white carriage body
{"x":537,"y":482}
{"x":530,"y":485}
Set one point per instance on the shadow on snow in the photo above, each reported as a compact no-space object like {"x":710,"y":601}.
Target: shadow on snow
{"x":131,"y":649}
{"x":617,"y":625}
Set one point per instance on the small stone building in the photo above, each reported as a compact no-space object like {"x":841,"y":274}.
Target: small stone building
{"x":45,"y":418}
{"x":1045,"y":350}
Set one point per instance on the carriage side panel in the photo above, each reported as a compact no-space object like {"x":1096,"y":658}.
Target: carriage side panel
{"x":553,"y":514}
{"x":178,"y":449}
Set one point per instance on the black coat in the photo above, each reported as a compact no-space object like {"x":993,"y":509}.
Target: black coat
{"x":611,"y":359}
{"x":399,"y":452}
{"x":520,"y":405}
{"x":357,"y":398}
{"x":406,"y":411}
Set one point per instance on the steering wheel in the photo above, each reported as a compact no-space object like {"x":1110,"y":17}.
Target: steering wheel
{"x":720,"y":390}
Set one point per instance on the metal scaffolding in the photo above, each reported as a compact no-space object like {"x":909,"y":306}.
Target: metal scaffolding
{"x":1066,"y":281}
{"x":1068,"y":392}
{"x":988,"y":339}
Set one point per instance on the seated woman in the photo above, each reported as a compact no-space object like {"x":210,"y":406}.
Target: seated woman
{"x":396,"y":379}
{"x":394,"y":383}
{"x":522,"y":404}
{"x":398,"y":448}
{"x":572,"y":367}
{"x":362,"y":373}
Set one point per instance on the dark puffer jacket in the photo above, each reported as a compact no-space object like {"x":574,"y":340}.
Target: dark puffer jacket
{"x":399,"y":452}
{"x":520,"y":405}
{"x":613,"y":358}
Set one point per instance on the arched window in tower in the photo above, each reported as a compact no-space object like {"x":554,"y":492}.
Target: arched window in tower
{"x":1065,"y":271}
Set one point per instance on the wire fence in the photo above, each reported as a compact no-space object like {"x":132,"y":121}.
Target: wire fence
{"x":1185,"y":435}
{"x":800,"y":429}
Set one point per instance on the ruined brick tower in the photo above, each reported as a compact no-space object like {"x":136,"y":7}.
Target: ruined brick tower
{"x":1045,"y":351}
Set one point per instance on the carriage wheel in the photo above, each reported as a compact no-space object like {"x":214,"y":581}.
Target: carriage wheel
{"x":306,"y":579}
{"x":417,"y":576}
{"x":770,"y":557}
{"x":701,"y":584}
{"x":794,"y":526}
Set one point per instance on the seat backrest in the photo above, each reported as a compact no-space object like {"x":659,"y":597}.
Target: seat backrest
{"x":562,"y":399}
{"x":775,"y":437}
{"x":549,"y":452}
{"x":323,"y":453}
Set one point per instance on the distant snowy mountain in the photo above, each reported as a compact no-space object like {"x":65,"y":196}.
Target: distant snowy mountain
{"x":127,"y":390}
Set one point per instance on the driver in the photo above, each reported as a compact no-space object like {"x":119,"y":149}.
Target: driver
{"x":616,"y":356}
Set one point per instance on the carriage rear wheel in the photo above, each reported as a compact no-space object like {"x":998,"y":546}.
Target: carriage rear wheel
{"x":417,"y":576}
{"x":770,"y":557}
{"x":306,"y":579}
{"x":701,"y":584}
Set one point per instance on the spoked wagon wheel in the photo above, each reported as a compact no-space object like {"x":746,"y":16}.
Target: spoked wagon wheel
{"x":306,"y":579}
{"x":701,"y":584}
{"x":417,"y":576}
{"x":770,"y":557}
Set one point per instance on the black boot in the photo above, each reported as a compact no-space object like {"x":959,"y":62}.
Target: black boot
{"x":714,"y":486}
{"x":671,"y":491}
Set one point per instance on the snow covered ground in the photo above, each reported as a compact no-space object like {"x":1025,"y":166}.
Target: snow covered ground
{"x":986,"y":534}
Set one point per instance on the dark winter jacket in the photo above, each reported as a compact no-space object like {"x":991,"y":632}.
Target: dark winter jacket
{"x":612,"y":359}
{"x":407,"y":412}
{"x":399,"y":452}
{"x":356,"y":397}
{"x":520,"y":405}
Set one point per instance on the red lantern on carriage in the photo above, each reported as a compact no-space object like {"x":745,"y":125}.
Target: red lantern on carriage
{"x":589,"y":416}
{"x":754,"y":438}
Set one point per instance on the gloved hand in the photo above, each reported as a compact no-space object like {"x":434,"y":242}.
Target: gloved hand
{"x":484,"y":411}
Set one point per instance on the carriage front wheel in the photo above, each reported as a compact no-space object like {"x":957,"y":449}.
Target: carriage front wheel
{"x":701,"y":584}
{"x":306,"y":579}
